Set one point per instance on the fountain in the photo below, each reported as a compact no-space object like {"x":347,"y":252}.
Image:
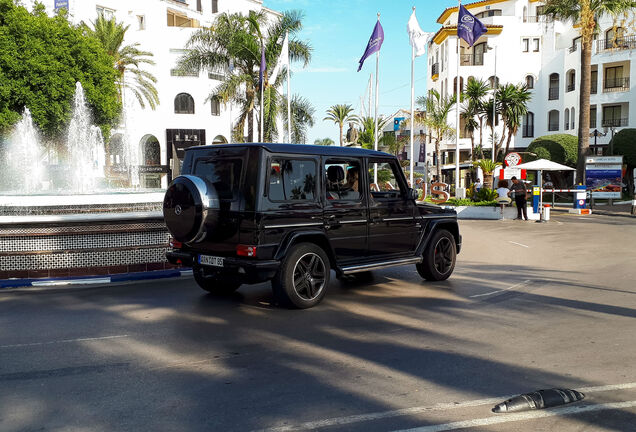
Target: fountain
{"x":58,"y":214}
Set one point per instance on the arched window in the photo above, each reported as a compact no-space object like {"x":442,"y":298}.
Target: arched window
{"x":571,"y":80}
{"x":151,"y":150}
{"x":461,"y":85}
{"x":216,"y":106}
{"x":528,"y":125}
{"x":614,"y":37}
{"x":529,"y":81}
{"x":525,"y":14}
{"x":553,"y":91}
{"x":478,"y":54}
{"x":183,"y":104}
{"x":494,"y":81}
{"x":566,"y":117}
{"x":219,"y":139}
{"x":572,"y":118}
{"x":553,"y":120}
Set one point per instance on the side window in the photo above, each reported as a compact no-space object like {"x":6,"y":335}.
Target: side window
{"x":388,"y":186}
{"x":343,"y":180}
{"x":292,"y":180}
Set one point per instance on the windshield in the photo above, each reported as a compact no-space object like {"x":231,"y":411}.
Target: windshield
{"x":223,"y":174}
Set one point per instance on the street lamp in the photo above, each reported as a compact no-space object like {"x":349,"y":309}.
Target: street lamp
{"x":597,"y":134}
{"x":611,"y":146}
{"x":494,"y":103}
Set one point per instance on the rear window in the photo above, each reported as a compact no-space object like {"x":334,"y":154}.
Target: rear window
{"x":223,"y":174}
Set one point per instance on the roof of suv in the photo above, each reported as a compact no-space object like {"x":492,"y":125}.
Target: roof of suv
{"x":303,"y":149}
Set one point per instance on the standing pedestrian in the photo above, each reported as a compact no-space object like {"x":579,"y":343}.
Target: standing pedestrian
{"x":520,"y":191}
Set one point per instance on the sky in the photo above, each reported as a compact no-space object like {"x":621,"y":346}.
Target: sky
{"x":338,"y":32}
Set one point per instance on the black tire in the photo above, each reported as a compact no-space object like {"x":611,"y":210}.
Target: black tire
{"x":214,"y":283}
{"x":303,"y":277}
{"x":439,"y":257}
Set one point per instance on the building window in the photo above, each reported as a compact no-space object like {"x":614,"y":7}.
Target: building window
{"x":216,"y":106}
{"x":614,"y":77}
{"x":614,"y":37}
{"x":594,"y":82}
{"x":566,"y":117}
{"x":592,"y":116}
{"x":612,"y":116}
{"x":525,"y":14}
{"x":215,"y":6}
{"x":183,"y":104}
{"x":489,"y":13}
{"x":105,"y":12}
{"x":529,"y":81}
{"x":199,"y":7}
{"x":141,"y":22}
{"x":179,"y":20}
{"x":528,"y":125}
{"x":535,"y":44}
{"x":553,"y":91}
{"x":493,"y":81}
{"x":461,"y":85}
{"x":572,"y":117}
{"x":571,"y":78}
{"x":553,"y":121}
{"x":525,"y":44}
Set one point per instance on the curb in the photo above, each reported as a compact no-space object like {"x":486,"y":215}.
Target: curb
{"x":94,"y":280}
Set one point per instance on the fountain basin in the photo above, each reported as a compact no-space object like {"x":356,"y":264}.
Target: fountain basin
{"x":55,"y":236}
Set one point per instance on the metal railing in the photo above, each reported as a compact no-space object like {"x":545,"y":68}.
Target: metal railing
{"x":616,"y":84}
{"x":615,"y":122}
{"x":573,"y":48}
{"x":553,"y":127}
{"x":622,"y":43}
{"x":183,"y":73}
{"x":538,"y":19}
{"x":472,"y":59}
{"x":570,"y":87}
{"x":553,"y":93}
{"x":435,"y":69}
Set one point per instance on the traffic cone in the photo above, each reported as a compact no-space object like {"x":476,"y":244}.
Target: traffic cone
{"x":539,"y":400}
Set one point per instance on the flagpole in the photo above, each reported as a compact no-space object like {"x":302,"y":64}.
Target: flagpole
{"x":288,"y":97}
{"x":262,"y":104}
{"x":494,"y":108}
{"x":457,"y":114}
{"x":377,"y":71}
{"x":412,"y":163}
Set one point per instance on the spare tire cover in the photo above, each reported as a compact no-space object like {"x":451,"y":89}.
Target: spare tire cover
{"x":185,"y":207}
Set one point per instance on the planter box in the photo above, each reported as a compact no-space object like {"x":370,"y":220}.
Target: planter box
{"x":492,"y":213}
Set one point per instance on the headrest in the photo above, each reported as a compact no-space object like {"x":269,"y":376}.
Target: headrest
{"x":335,"y":173}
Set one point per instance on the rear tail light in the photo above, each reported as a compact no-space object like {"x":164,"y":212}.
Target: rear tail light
{"x":246,"y":251}
{"x":174,"y":244}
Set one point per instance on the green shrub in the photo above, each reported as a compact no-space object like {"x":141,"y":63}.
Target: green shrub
{"x":486,"y":194}
{"x":559,"y":148}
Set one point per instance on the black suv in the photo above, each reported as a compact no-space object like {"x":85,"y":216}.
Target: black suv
{"x":248,"y":213}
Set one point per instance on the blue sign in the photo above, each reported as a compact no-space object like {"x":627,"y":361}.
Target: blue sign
{"x":61,"y":4}
{"x":396,"y":122}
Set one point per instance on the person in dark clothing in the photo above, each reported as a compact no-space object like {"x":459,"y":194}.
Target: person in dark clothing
{"x":519,"y":190}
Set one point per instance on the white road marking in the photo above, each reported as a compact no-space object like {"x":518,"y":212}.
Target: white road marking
{"x":338,"y":421}
{"x":63,"y":341}
{"x":519,"y":244}
{"x":502,"y":290}
{"x":508,"y":418}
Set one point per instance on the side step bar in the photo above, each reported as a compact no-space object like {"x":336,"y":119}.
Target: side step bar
{"x":380,"y":265}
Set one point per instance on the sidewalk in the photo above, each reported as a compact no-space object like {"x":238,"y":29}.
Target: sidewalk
{"x":623,"y":210}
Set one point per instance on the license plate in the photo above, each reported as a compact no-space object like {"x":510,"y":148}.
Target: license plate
{"x":211,"y":260}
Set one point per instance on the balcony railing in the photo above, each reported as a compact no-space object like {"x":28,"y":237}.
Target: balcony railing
{"x":435,"y":69}
{"x":573,"y":48}
{"x":472,"y":59}
{"x":615,"y":122}
{"x":616,"y":84}
{"x":571,"y":87}
{"x":538,"y":19}
{"x":553,"y":127}
{"x":623,"y":43}
{"x":527,"y":131}
{"x":183,"y":73}
{"x":553,"y":93}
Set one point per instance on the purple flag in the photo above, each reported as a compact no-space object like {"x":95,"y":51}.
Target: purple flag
{"x":263,"y":66}
{"x":375,"y":43}
{"x":469,"y":28}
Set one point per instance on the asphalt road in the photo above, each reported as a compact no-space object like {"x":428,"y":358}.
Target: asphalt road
{"x":530,"y":306}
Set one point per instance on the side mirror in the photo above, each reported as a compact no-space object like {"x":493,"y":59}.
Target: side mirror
{"x":412,"y":194}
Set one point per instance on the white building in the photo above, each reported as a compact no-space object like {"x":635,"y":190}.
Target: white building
{"x":184,"y":117}
{"x":544,"y":55}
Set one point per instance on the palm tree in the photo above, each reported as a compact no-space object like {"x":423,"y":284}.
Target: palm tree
{"x":127,"y":58}
{"x":324,"y":142}
{"x":366,"y":139}
{"x":515,"y":110}
{"x":437,"y":109}
{"x":340,"y":114}
{"x":488,"y":167}
{"x":302,"y":117}
{"x":232,"y":45}
{"x":486,"y":113}
{"x":469,"y":112}
{"x":476,"y":91}
{"x":586,"y":13}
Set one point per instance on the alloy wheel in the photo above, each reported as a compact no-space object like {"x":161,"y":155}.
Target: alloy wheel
{"x":443,"y":255}
{"x":309,"y":276}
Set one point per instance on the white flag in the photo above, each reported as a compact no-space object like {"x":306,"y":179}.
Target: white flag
{"x":418,"y":38}
{"x":282,"y":60}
